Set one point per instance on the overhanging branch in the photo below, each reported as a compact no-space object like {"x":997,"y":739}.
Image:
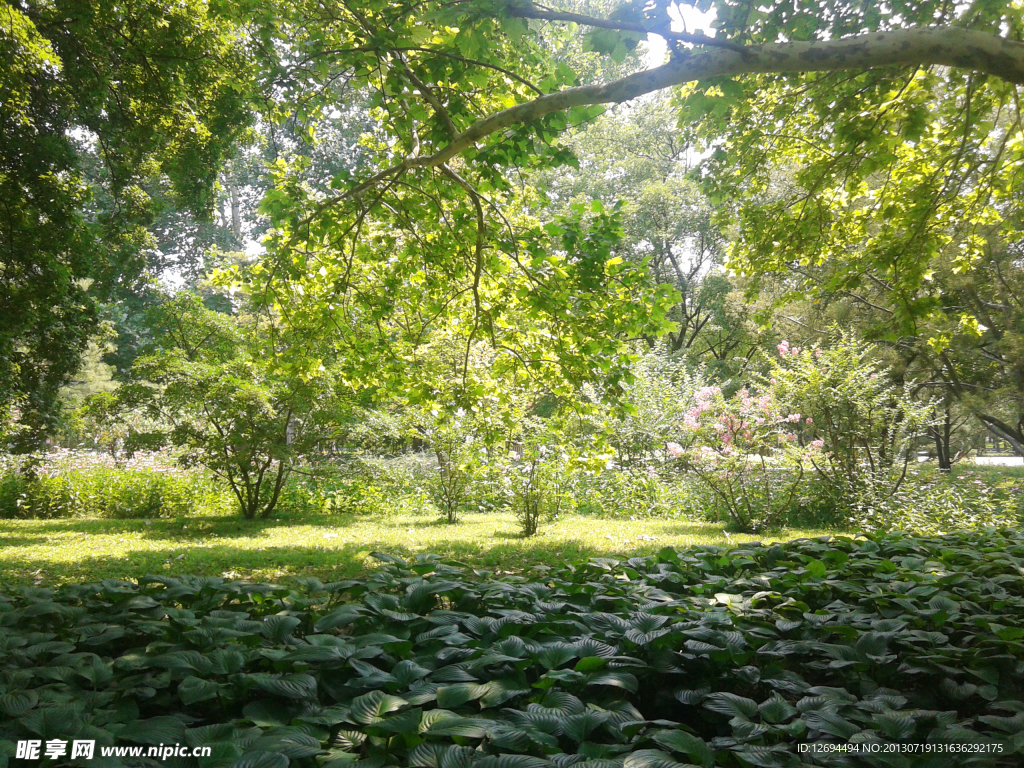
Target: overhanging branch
{"x":924,"y":46}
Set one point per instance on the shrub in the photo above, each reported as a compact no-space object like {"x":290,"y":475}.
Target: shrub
{"x":743,"y":450}
{"x":538,"y":478}
{"x":216,"y":388}
{"x":760,"y":651}
{"x":461,"y":458}
{"x":613,"y":492}
{"x":77,"y":485}
{"x":867,"y":426}
{"x":656,"y":402}
{"x":932,"y":504}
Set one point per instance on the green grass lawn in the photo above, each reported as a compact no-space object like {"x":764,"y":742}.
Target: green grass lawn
{"x":335,"y":546}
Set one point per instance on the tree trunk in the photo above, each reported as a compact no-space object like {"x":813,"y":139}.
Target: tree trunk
{"x":236,"y":217}
{"x":941,"y":434}
{"x":1004,"y":431}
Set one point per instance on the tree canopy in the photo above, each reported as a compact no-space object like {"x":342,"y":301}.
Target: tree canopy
{"x":874,"y":138}
{"x":845,"y":144}
{"x":152,"y":89}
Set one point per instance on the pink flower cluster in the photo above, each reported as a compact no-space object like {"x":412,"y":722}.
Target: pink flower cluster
{"x":785,"y":349}
{"x":704,"y":398}
{"x":749,"y":423}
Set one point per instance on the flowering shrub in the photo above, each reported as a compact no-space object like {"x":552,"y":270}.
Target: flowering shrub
{"x":745,"y":451}
{"x":863,"y":426}
{"x":655,"y":401}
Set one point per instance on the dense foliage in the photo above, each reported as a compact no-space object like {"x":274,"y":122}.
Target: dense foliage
{"x":707,"y":656}
{"x":69,"y":485}
{"x":218,"y":390}
{"x":165,"y":101}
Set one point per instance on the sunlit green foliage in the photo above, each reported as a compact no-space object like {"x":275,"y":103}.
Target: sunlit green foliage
{"x":216,"y":387}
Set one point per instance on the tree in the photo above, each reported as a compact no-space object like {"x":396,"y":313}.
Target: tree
{"x":468,"y":94}
{"x":154,"y":88}
{"x":636,"y":155}
{"x":219,"y":389}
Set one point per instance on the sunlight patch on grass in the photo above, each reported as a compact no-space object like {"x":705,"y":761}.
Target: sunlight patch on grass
{"x":329,"y":547}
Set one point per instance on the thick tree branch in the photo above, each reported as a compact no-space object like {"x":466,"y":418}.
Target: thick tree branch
{"x":531,"y":11}
{"x":924,"y":46}
{"x":1003,"y":430}
{"x":938,"y":46}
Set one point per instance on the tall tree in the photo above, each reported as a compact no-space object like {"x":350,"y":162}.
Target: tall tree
{"x":635,"y":154}
{"x":156,"y":88}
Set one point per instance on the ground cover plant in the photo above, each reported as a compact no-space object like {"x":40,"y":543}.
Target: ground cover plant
{"x":707,"y":656}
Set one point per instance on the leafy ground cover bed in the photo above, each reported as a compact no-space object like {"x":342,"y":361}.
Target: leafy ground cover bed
{"x":707,"y":656}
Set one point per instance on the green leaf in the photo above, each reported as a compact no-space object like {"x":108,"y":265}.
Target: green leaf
{"x":693,"y":746}
{"x":279,"y":628}
{"x":816,"y":569}
{"x":895,"y":726}
{"x":371,"y":707}
{"x":623,"y":680}
{"x":776,"y":710}
{"x":18,"y":703}
{"x":346,"y":614}
{"x":555,"y":656}
{"x":406,"y":722}
{"x":193,"y":689}
{"x":732,"y":705}
{"x":451,"y":696}
{"x":266,"y":713}
{"x":580,"y":727}
{"x":292,"y":686}
{"x":590,"y":664}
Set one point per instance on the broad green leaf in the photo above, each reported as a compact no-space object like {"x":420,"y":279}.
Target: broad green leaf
{"x":371,"y":707}
{"x":693,"y":746}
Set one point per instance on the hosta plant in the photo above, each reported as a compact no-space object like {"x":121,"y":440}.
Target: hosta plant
{"x":709,"y":657}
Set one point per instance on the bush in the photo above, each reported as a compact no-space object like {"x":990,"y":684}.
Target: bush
{"x":932,"y":504}
{"x":760,"y":651}
{"x":538,"y":482}
{"x":619,"y":493}
{"x":77,"y":485}
{"x":656,"y":400}
{"x":462,"y":457}
{"x":359,"y":485}
{"x":744,"y":452}
{"x":867,"y":426}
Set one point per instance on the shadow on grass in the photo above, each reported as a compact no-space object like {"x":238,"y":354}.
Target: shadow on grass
{"x":692,"y":529}
{"x":27,"y":532}
{"x":436,"y":522}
